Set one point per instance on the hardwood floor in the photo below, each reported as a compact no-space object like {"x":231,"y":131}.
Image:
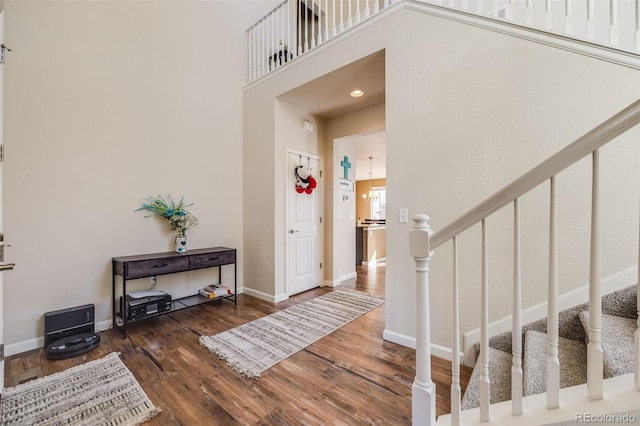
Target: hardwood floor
{"x":350,"y":377}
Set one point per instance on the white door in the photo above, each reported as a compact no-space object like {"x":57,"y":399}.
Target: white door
{"x":303,"y":223}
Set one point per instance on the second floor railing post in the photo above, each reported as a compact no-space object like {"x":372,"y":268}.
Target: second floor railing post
{"x":636,"y":336}
{"x":423,"y":391}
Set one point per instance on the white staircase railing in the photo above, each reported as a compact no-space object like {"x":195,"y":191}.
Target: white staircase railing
{"x":423,"y":241}
{"x":295,"y":27}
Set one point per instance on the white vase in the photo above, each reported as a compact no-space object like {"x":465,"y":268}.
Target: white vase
{"x":181,"y":243}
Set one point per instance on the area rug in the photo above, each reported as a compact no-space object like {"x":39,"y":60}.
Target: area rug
{"x":258,"y":345}
{"x":100,"y":392}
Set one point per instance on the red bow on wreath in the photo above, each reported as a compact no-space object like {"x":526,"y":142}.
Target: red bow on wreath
{"x":304,"y":181}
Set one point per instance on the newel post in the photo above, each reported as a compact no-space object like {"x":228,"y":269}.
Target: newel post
{"x":423,"y":391}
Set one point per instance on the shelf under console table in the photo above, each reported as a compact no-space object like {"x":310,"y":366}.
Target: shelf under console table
{"x":149,"y":265}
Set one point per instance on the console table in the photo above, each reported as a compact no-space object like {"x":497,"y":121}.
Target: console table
{"x":149,"y":265}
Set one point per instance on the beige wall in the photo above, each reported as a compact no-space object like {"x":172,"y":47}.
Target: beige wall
{"x":363,"y":210}
{"x":107,"y":103}
{"x":453,"y":139}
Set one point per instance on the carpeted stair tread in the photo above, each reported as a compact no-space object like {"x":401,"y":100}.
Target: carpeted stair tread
{"x":619,"y":303}
{"x":572,"y":355}
{"x":500,"y":380}
{"x":617,"y":343}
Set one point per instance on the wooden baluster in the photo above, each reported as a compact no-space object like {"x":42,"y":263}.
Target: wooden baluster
{"x":456,"y":392}
{"x":568,"y":18}
{"x":614,"y":38}
{"x":465,"y":4}
{"x":291,"y":32}
{"x":313,"y":24}
{"x":516,"y":329}
{"x":637,"y":33}
{"x":423,"y":390}
{"x":306,"y":26}
{"x":636,"y":335}
{"x":357,"y":11}
{"x":485,"y":384}
{"x":334,"y":29}
{"x":529,"y":12}
{"x":251,"y":76}
{"x":299,"y":24}
{"x":264,"y":49}
{"x":350,"y":22}
{"x":366,"y":10}
{"x":376,"y":7}
{"x":548,"y":18}
{"x":319,"y":22}
{"x":480,"y":7}
{"x":594,"y":348}
{"x":495,"y":12}
{"x":280,"y":36}
{"x":511,"y":10}
{"x":591,"y":26}
{"x":341,"y":16}
{"x":326,"y":21}
{"x":553,"y":363}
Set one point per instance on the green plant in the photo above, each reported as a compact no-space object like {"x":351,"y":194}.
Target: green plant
{"x":179,"y":218}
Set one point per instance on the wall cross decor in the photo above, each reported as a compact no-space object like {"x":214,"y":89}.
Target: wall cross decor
{"x":346,"y":165}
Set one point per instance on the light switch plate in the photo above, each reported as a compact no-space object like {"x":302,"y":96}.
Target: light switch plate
{"x":403,"y":215}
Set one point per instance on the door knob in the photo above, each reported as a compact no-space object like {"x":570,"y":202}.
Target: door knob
{"x":291,"y":231}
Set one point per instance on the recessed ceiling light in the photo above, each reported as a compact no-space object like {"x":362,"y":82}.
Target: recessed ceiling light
{"x":357,"y":93}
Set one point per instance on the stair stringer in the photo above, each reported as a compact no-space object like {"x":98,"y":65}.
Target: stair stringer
{"x":619,"y":395}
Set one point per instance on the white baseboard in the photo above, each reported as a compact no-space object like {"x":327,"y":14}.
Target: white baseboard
{"x":265,"y":296}
{"x":410,"y":342}
{"x":37,"y":343}
{"x":31,"y":344}
{"x":374,"y":262}
{"x":340,"y":280}
{"x":24,"y":346}
{"x":579,"y":295}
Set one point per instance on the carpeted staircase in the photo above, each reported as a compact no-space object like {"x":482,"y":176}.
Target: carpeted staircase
{"x":619,"y":321}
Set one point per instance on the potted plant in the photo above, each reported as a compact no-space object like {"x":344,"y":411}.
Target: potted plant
{"x":179,"y":219}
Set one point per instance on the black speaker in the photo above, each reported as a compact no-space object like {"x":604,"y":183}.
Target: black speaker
{"x":68,"y":322}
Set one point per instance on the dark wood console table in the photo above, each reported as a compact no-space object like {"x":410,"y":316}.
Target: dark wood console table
{"x":149,"y":265}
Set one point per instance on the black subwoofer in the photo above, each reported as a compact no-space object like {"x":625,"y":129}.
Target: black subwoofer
{"x":70,"y":332}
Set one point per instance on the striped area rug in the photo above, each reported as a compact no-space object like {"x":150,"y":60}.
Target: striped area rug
{"x":100,"y":392}
{"x":258,"y":345}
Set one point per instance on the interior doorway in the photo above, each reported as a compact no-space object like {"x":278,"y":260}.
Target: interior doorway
{"x":359,"y":231}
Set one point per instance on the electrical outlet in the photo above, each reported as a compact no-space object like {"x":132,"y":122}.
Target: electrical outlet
{"x":154,"y":280}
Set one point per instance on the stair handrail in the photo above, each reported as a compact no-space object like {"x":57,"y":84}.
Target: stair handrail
{"x":423,"y":241}
{"x":580,"y":148}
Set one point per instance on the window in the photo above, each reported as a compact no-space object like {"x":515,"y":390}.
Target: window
{"x":378,"y":202}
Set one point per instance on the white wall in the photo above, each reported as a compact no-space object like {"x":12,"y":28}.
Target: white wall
{"x":107,"y":103}
{"x":454,"y":138}
{"x":343,"y":250}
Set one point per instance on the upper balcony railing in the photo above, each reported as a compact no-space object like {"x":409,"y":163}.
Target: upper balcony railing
{"x":295,"y":27}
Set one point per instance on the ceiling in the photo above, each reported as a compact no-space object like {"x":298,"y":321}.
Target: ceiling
{"x":329,"y":97}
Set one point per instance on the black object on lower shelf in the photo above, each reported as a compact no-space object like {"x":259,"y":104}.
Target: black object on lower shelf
{"x":72,"y":346}
{"x":155,"y":264}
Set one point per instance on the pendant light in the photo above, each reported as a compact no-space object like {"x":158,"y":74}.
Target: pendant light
{"x":371,"y":194}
